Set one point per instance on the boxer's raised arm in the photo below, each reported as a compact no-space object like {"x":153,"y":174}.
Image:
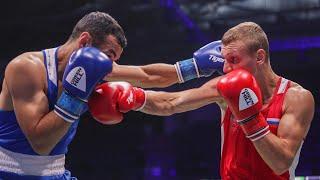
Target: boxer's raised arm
{"x":42,"y":128}
{"x":205,"y":62}
{"x":293,"y":128}
{"x":165,"y":103}
{"x":153,"y":75}
{"x":112,"y":99}
{"x":25,"y":77}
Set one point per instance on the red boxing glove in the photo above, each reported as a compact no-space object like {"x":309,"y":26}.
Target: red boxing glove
{"x":243,"y":96}
{"x":110,"y":100}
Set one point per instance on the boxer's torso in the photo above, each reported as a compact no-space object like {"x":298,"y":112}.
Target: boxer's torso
{"x":240,"y":160}
{"x":15,"y":148}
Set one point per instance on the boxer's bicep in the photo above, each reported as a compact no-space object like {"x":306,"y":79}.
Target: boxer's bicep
{"x":297,"y":117}
{"x":147,"y":76}
{"x":26,"y":89}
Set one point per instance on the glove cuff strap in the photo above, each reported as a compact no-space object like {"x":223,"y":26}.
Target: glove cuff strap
{"x":69,"y":108}
{"x":144,"y":102}
{"x":255,"y":127}
{"x":260,"y":134}
{"x":244,"y":121}
{"x":187,"y":70}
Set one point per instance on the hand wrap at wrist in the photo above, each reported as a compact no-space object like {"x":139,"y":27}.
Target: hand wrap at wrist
{"x":254,"y":127}
{"x":69,"y":108}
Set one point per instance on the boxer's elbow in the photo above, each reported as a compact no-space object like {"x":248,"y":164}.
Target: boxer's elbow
{"x":39,"y":145}
{"x":280,"y":170}
{"x":41,"y":148}
{"x":283,"y":166}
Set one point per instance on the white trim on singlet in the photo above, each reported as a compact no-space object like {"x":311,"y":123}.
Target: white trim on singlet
{"x":51,"y":65}
{"x":294,"y":164}
{"x":223,"y":113}
{"x":222,"y":140}
{"x":25,"y":164}
{"x":283,"y":84}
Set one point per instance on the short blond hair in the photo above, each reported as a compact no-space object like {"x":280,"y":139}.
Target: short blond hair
{"x":251,"y":34}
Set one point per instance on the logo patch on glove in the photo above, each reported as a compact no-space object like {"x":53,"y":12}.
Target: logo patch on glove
{"x":130,"y":98}
{"x":77,"y":78}
{"x":215,"y":58}
{"x":247,"y":99}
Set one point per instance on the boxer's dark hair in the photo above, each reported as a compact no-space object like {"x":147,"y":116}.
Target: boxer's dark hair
{"x":99,"y":24}
{"x":251,"y":34}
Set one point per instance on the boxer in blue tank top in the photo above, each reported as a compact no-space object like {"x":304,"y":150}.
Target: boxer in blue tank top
{"x":44,"y":94}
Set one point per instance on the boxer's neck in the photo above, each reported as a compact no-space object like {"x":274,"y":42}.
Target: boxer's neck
{"x":267,"y":81}
{"x":64,"y":53}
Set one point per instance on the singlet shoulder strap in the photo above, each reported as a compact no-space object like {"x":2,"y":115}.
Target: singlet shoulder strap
{"x":51,"y":64}
{"x":284,"y":84}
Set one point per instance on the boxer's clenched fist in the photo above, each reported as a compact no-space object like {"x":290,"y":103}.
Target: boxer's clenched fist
{"x":242,"y":94}
{"x":205,"y":62}
{"x":110,"y":100}
{"x":86,"y":67}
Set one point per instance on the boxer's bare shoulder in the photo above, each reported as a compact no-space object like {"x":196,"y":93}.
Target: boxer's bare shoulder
{"x":35,"y":57}
{"x":298,"y":109}
{"x":27,"y":66}
{"x":298,"y":95}
{"x":25,"y":72}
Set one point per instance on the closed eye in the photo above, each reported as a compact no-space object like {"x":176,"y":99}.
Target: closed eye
{"x":111,"y":54}
{"x":233,"y":60}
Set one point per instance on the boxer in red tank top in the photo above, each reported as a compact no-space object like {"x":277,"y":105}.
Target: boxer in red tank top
{"x":243,"y":161}
{"x":265,"y":118}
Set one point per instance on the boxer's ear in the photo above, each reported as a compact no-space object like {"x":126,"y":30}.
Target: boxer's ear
{"x":85,"y":39}
{"x":261,"y":55}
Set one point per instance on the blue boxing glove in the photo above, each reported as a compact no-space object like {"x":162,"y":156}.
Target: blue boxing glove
{"x":86,"y":67}
{"x":204,"y":63}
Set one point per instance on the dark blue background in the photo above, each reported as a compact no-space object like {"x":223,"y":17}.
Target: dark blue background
{"x":182,"y":146}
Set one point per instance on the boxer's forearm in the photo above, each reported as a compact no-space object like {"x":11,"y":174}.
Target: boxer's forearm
{"x":148,"y":76}
{"x":277,"y":153}
{"x":47,"y":133}
{"x":165,"y":104}
{"x":160,"y":103}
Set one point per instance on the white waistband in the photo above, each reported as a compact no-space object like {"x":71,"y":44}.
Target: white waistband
{"x":25,"y":164}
